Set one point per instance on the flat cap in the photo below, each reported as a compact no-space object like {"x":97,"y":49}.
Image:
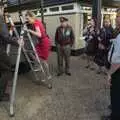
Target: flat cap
{"x":63,"y":19}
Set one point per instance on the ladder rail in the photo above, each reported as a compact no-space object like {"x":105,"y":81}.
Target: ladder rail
{"x":29,"y":61}
{"x":15,"y":78}
{"x":17,"y":35}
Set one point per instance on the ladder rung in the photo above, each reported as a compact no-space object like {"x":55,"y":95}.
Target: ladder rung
{"x":36,"y":70}
{"x":13,"y":53}
{"x":29,"y":51}
{"x":18,"y":25}
{"x":36,"y":67}
{"x":31,"y":61}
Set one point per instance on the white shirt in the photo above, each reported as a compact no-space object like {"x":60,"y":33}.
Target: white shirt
{"x":116,"y":53}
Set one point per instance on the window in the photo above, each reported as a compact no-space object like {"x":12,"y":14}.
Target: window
{"x":38,"y":12}
{"x":68,"y":7}
{"x":54,"y":9}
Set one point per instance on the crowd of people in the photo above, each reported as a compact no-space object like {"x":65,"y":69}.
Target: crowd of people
{"x":64,"y":39}
{"x":103,"y":49}
{"x":98,"y":44}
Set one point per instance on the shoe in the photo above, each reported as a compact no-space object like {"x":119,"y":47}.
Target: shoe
{"x":104,"y":73}
{"x":110,"y":107}
{"x":36,"y":66}
{"x":92,"y":68}
{"x":59,"y":74}
{"x":49,"y":77}
{"x":106,"y":118}
{"x":5,"y":98}
{"x":68,"y":73}
{"x":99,"y":72}
{"x":87,"y":66}
{"x":43,"y":80}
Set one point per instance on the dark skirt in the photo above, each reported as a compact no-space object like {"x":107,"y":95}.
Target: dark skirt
{"x":91,"y":48}
{"x":115,"y":95}
{"x":101,"y":58}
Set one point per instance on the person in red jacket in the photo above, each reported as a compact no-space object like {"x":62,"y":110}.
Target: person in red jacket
{"x":43,"y":47}
{"x":64,"y":39}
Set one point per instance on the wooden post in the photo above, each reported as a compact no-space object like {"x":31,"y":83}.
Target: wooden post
{"x":42,"y":10}
{"x":96,"y":11}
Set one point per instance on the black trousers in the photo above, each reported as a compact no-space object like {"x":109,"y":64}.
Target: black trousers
{"x":115,"y":95}
{"x":5,"y":72}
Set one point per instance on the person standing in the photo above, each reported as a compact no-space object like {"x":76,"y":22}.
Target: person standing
{"x":64,"y":39}
{"x":5,"y":63}
{"x":43,"y":46}
{"x":114,"y":74}
{"x":104,"y":36}
{"x":90,"y":34}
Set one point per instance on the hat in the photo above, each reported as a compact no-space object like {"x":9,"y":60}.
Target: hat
{"x":63,"y":19}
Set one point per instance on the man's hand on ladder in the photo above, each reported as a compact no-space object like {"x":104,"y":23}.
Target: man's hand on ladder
{"x":21,"y":42}
{"x":25,"y":29}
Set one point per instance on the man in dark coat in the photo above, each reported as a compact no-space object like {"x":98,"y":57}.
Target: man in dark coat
{"x":114,"y":73}
{"x":104,"y":37}
{"x":64,"y":39}
{"x":5,"y":64}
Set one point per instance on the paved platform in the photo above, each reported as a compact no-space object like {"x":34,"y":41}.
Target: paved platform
{"x":83,"y":96}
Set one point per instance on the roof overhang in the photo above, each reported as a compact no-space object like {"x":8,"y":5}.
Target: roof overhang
{"x":13,"y":5}
{"x":111,"y":3}
{"x":32,"y":4}
{"x":106,"y":3}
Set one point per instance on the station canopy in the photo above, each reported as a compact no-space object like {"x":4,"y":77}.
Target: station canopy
{"x":105,"y":3}
{"x":33,"y":4}
{"x":13,"y":5}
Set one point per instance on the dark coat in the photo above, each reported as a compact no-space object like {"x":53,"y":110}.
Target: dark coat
{"x":116,"y":31}
{"x":104,"y":36}
{"x":64,"y":38}
{"x":106,"y":33}
{"x":4,"y":36}
{"x":91,"y":41}
{"x":5,"y":39}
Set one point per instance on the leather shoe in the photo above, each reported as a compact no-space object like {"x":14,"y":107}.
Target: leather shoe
{"x":110,"y":107}
{"x":59,"y":74}
{"x":106,"y":118}
{"x":6,"y":97}
{"x":68,"y":73}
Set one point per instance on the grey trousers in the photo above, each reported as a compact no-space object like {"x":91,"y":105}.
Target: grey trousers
{"x":63,"y":55}
{"x":5,"y":72}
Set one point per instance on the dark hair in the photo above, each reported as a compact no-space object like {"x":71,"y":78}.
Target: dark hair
{"x":95,"y":20}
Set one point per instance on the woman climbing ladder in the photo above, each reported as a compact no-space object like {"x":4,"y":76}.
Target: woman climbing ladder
{"x":43,"y":46}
